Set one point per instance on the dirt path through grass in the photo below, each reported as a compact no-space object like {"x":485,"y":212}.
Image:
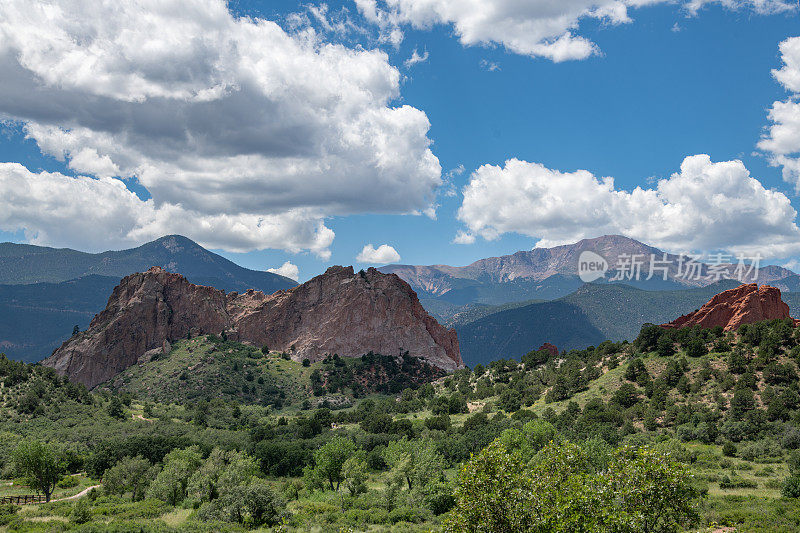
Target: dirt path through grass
{"x":82,"y":493}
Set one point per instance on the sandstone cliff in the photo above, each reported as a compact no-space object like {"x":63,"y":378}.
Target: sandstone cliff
{"x":730,"y":309}
{"x":337,"y":312}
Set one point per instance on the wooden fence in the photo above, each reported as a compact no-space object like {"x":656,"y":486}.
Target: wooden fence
{"x":22,"y":499}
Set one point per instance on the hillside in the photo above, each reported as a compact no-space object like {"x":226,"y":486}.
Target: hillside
{"x":590,"y":315}
{"x":713,"y":411}
{"x":25,"y":264}
{"x":211,"y":368}
{"x":35,"y":319}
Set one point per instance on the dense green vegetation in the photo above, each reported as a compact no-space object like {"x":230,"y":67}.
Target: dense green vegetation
{"x":678,"y":430}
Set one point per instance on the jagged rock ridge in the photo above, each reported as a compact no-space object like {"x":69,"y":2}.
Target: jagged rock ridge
{"x":339,"y":311}
{"x":730,"y":309}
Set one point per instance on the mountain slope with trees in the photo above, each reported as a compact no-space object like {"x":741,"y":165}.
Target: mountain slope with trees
{"x":592,"y":314}
{"x":692,"y":427}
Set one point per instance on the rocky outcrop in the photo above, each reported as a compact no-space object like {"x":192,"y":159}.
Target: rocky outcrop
{"x":144,"y":310}
{"x":730,"y":309}
{"x":550,"y":348}
{"x":340,"y":312}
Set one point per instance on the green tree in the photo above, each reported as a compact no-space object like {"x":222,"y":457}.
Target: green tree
{"x":413,"y":463}
{"x":116,"y":409}
{"x":204,"y":483}
{"x":665,"y":346}
{"x":41,"y":463}
{"x":354,"y":472}
{"x":510,"y":400}
{"x":253,"y":505}
{"x":170,"y":485}
{"x":626,"y":395}
{"x":695,"y":347}
{"x":637,"y":371}
{"x":330,"y":458}
{"x":130,"y":474}
{"x":742,"y":402}
{"x":563,"y":489}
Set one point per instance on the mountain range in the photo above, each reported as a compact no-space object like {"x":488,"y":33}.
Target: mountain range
{"x":500,"y":307}
{"x":25,"y":263}
{"x":550,"y":273}
{"x":45,"y":292}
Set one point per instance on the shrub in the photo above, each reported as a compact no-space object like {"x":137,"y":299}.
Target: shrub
{"x":791,"y":487}
{"x":7,"y":513}
{"x":80,"y":512}
{"x":729,"y":449}
{"x":736,"y":483}
{"x":67,"y":482}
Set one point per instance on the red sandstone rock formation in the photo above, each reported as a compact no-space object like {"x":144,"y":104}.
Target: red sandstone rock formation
{"x":550,"y":348}
{"x":337,"y":312}
{"x":730,"y":309}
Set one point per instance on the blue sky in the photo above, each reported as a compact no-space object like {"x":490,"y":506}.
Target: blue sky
{"x":665,"y":86}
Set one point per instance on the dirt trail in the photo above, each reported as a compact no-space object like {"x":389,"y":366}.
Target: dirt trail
{"x":82,"y":493}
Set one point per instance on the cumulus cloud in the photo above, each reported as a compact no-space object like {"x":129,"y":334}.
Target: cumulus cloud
{"x":707,"y":206}
{"x":782,"y":139}
{"x":537,"y":28}
{"x":462,"y":237}
{"x":253,"y":130}
{"x":288,"y":270}
{"x":381,"y":255}
{"x":100,"y":213}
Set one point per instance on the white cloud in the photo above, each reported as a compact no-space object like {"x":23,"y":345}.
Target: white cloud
{"x":782,"y":139}
{"x":378,"y":256}
{"x":537,"y":28}
{"x":98,"y":214}
{"x":792,"y":264}
{"x":761,"y":7}
{"x":288,"y":269}
{"x":416,"y":58}
{"x":491,"y":66}
{"x":706,"y":206}
{"x":462,"y":237}
{"x":252,"y":129}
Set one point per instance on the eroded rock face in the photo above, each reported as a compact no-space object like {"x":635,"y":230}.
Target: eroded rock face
{"x":144,"y":310}
{"x":730,"y":309}
{"x":339,"y":312}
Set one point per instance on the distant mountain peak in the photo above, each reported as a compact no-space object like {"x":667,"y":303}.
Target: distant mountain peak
{"x":176,"y":253}
{"x":475,"y":282}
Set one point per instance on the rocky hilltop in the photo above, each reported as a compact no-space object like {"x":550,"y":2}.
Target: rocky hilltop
{"x":730,"y":309}
{"x":339,"y":311}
